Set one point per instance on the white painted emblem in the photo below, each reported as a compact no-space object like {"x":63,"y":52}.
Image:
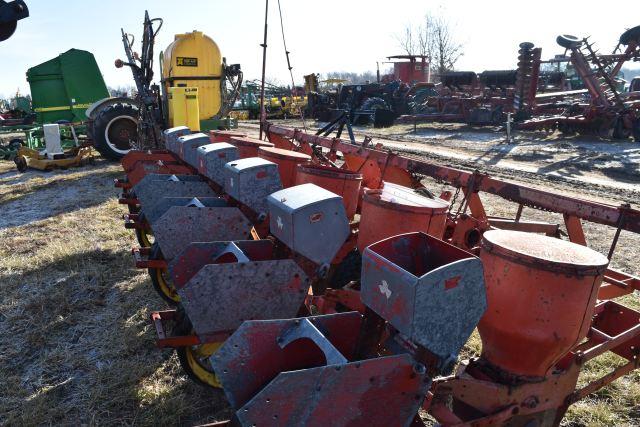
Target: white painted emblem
{"x":384,"y":289}
{"x":280,"y":223}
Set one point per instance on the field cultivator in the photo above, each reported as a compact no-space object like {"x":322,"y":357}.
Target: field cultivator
{"x":601,"y":109}
{"x":317,"y":294}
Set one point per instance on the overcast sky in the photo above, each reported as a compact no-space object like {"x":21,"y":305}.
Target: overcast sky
{"x":322,"y":35}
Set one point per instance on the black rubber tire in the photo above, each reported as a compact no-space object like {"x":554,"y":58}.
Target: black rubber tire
{"x":156,"y":274}
{"x":568,"y":41}
{"x":21,"y":163}
{"x":143,"y":235}
{"x":636,"y":130}
{"x":631,"y":35}
{"x":134,"y":209}
{"x":183,"y":327}
{"x":619,"y":131}
{"x":15,"y":143}
{"x":566,"y":129}
{"x":374,"y":103}
{"x":143,"y":238}
{"x":114,"y":128}
{"x":498,"y":117}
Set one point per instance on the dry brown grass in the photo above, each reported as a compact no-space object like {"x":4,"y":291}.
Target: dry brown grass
{"x":77,"y":345}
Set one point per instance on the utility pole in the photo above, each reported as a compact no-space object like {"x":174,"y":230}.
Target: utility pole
{"x":264,"y":66}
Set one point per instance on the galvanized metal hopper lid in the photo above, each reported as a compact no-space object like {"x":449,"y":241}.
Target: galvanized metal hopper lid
{"x":402,"y":198}
{"x":543,"y":252}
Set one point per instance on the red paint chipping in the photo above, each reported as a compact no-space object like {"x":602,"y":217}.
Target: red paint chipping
{"x":452,"y":282}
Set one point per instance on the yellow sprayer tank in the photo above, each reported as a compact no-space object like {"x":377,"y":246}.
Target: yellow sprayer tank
{"x":194,"y":60}
{"x":184,"y":107}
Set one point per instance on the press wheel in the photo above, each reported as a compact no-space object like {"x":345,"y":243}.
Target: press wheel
{"x":195,"y":362}
{"x":160,"y":279}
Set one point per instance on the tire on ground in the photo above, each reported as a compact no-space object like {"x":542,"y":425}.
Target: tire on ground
{"x":114,"y":129}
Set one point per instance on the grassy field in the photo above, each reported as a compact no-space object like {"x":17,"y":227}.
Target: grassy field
{"x":77,"y":344}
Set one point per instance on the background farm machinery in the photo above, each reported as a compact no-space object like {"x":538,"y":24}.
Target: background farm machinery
{"x":69,"y":89}
{"x":602,"y":108}
{"x":376,"y":286}
{"x":61,"y":90}
{"x":280,"y":102}
{"x":587,"y":97}
{"x":186,"y":94}
{"x":376,"y":102}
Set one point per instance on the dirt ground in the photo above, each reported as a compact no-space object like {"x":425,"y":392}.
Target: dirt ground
{"x":77,"y":344}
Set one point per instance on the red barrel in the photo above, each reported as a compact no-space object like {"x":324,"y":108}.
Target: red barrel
{"x":339,"y":181}
{"x":224,"y":135}
{"x":248,"y":147}
{"x":397,"y":210}
{"x":287,"y":162}
{"x":541,"y":293}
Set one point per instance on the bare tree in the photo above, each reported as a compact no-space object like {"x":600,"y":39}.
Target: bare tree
{"x":433,"y":38}
{"x":406,"y":40}
{"x":426,"y":39}
{"x":447,"y":49}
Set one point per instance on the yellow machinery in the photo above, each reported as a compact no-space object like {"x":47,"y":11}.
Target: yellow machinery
{"x":184,"y":107}
{"x":193,"y":60}
{"x":198,"y":89}
{"x":53,"y":156}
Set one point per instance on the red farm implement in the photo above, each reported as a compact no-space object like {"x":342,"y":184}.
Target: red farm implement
{"x":601,"y":108}
{"x":315,"y":294}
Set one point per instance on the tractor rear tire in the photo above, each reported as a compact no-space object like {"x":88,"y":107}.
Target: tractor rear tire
{"x":373,"y":103}
{"x":115,"y":130}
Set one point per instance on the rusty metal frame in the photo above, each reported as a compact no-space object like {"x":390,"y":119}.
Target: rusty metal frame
{"x":164,"y":340}
{"x":558,"y":390}
{"x":402,"y":167}
{"x":141,"y":258}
